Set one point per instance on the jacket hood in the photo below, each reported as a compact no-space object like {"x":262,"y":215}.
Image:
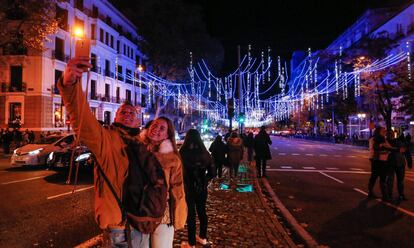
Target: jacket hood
{"x":166,"y":155}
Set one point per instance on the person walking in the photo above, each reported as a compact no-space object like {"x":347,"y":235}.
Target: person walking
{"x":7,"y":140}
{"x":249,"y":144}
{"x":160,"y":140}
{"x":234,"y":153}
{"x":218,"y":151}
{"x":397,"y":164}
{"x":262,"y":151}
{"x":198,"y":171}
{"x":121,"y":159}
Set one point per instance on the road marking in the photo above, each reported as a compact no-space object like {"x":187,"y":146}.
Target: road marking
{"x":309,"y":168}
{"x":276,"y":148}
{"x":407,"y":212}
{"x":331,"y":177}
{"x":295,"y":154}
{"x":337,"y":156}
{"x":69,"y":193}
{"x":332,"y":171}
{"x":356,"y":169}
{"x":323,"y":155}
{"x":309,"y":154}
{"x":24,"y":180}
{"x":351,"y":156}
{"x":286,"y":167}
{"x":331,"y":168}
{"x":282,"y":153}
{"x":267,"y":166}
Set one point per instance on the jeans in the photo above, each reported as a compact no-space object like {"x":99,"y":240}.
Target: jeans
{"x":163,"y":236}
{"x":261,"y":167}
{"x":219,"y":167}
{"x":196,"y":202}
{"x":117,"y":238}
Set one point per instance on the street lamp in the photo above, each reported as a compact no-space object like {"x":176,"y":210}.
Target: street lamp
{"x":360,"y":116}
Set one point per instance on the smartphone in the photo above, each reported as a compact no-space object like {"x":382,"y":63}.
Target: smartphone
{"x":83,"y":48}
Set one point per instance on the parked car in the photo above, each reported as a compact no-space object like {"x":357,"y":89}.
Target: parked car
{"x":37,"y":153}
{"x":62,"y":158}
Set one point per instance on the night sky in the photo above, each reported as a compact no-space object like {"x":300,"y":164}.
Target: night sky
{"x":284,"y":25}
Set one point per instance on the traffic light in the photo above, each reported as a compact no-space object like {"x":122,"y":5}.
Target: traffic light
{"x":230,"y":108}
{"x":241,"y":118}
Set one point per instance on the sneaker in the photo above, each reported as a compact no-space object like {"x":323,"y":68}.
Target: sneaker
{"x":202,"y":241}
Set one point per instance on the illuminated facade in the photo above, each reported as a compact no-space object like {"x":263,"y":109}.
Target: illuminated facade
{"x":28,"y":92}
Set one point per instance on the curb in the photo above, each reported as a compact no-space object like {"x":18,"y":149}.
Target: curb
{"x":309,"y":240}
{"x":93,"y":242}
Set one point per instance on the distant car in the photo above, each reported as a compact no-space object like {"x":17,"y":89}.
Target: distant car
{"x":37,"y":154}
{"x":62,"y":158}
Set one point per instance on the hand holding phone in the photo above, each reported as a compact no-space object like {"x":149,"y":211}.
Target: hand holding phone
{"x":83,"y":48}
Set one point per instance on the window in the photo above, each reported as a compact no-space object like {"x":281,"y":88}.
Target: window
{"x":16,"y":78}
{"x":93,"y":62}
{"x":93,"y":31}
{"x":112,"y":41}
{"x":124,"y":49}
{"x":128,"y":76}
{"x":79,"y":4}
{"x":58,"y":115}
{"x":117,"y":45}
{"x":58,"y":75}
{"x":118,"y":100}
{"x":15,"y":112}
{"x":108,"y":20}
{"x":62,"y":18}
{"x":93,"y":90}
{"x":101,"y":35}
{"x":93,"y":110}
{"x":143,"y":101}
{"x":107,"y":68}
{"x":95,"y":11}
{"x":59,"y":49}
{"x":106,"y":38}
{"x":107,"y":87}
{"x":120,"y":73}
{"x":107,"y":117}
{"x":128,"y":95}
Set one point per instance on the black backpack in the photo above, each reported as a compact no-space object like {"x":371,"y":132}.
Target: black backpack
{"x":144,"y":198}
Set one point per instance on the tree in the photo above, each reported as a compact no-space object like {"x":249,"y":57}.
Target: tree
{"x":26,"y":24}
{"x":170,"y":30}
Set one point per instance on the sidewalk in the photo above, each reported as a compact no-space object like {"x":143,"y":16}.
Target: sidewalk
{"x":236,"y":219}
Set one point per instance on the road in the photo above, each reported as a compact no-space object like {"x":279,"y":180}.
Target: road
{"x":37,"y":208}
{"x":324,"y":186}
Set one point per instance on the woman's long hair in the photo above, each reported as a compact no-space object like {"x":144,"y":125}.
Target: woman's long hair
{"x":171,"y":133}
{"x":193,"y":138}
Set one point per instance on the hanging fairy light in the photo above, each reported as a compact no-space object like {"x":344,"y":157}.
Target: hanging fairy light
{"x":336,"y":77}
{"x":408,"y":60}
{"x":268,"y":64}
{"x":263,"y":67}
{"x":209,"y":85}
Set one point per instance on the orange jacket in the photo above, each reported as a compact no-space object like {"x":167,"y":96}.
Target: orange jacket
{"x":107,"y":146}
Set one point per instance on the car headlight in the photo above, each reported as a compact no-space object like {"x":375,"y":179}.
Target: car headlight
{"x":50,"y":157}
{"x":35,"y":152}
{"x":83,"y":157}
{"x":15,"y":151}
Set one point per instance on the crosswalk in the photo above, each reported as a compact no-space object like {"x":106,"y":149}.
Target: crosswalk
{"x":322,"y":155}
{"x":289,"y":167}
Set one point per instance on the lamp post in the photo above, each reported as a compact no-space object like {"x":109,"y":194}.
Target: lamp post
{"x":360,"y":116}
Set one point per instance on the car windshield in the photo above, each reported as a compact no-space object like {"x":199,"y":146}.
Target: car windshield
{"x":48,"y":140}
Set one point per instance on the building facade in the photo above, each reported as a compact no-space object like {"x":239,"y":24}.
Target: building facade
{"x":28,"y":93}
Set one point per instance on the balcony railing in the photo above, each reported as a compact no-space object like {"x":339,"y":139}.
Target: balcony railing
{"x":60,"y":56}
{"x":6,"y":87}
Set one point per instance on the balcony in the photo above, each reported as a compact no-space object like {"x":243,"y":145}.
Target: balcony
{"x":6,"y":87}
{"x":60,"y":56}
{"x":94,"y":96}
{"x":109,"y":74}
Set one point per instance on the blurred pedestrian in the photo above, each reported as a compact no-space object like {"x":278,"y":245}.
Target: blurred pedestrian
{"x":218,"y":151}
{"x":407,"y":152}
{"x":160,"y":139}
{"x":234,"y":153}
{"x":397,"y":163}
{"x":7,"y":140}
{"x":249,"y":144}
{"x":198,"y":171}
{"x":262,"y":151}
{"x":32,"y":137}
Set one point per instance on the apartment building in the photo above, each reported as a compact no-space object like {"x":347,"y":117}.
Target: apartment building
{"x":28,"y":92}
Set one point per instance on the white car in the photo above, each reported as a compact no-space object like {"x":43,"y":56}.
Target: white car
{"x":37,"y":154}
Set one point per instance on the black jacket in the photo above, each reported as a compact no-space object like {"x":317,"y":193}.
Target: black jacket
{"x":218,"y":150}
{"x":261,"y":145}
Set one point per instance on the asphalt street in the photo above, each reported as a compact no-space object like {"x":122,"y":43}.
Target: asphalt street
{"x":325,"y":187}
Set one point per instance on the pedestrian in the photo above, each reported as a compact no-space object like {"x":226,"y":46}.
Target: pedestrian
{"x":125,"y":168}
{"x":249,"y":144}
{"x":262,"y":151}
{"x":7,"y":140}
{"x":160,"y":140}
{"x":234,"y":153}
{"x":407,"y":152}
{"x":218,"y":151}
{"x":32,"y":136}
{"x":397,"y":163}
{"x":198,"y":171}
{"x":381,"y":149}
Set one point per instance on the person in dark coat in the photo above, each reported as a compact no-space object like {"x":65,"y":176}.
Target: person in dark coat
{"x":262,"y":150}
{"x":397,"y":164}
{"x":234,"y":153}
{"x":407,"y":152}
{"x":198,"y":171}
{"x":7,"y":140}
{"x":218,"y":151}
{"x":249,"y":144}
